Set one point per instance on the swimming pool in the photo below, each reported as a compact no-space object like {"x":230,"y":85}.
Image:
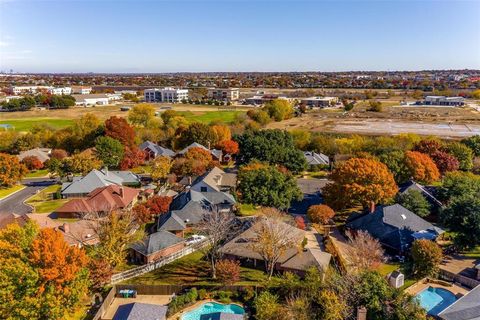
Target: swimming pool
{"x":212,"y":307}
{"x":435,"y":300}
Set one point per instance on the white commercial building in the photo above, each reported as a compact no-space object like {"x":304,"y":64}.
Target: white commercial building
{"x":60,"y":91}
{"x":444,"y":101}
{"x":88,"y":100}
{"x":261,"y":98}
{"x":224,"y":94}
{"x":319,"y":102}
{"x":82,"y":90}
{"x":28,"y":89}
{"x":167,"y":94}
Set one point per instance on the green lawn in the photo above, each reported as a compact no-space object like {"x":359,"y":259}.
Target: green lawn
{"x":194,"y":270}
{"x":387,"y":268}
{"x":247,"y":209}
{"x":473,"y":253}
{"x":43,"y":201}
{"x":226,"y":116}
{"x":28,"y":123}
{"x":37,"y":174}
{"x":4,"y":192}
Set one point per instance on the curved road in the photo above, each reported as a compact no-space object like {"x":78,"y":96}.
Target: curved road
{"x":14,"y":203}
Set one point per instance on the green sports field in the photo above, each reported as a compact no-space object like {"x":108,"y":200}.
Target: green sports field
{"x":207,"y":117}
{"x":26,"y":124}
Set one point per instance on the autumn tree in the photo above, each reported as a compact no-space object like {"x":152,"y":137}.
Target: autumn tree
{"x":83,"y":133}
{"x":197,"y":132}
{"x":217,"y":226}
{"x":81,"y":163}
{"x":11,"y":170}
{"x":119,"y":129}
{"x":395,"y":161}
{"x":132,"y":158}
{"x":59,"y":154}
{"x":141,"y":213}
{"x":161,"y":167}
{"x":427,"y":256}
{"x":222,"y":133}
{"x":228,"y":271}
{"x":195,"y":162}
{"x":445,"y":162}
{"x":428,"y":146}
{"x":364,"y":252}
{"x":110,"y":151}
{"x":279,"y":109}
{"x":32,"y":163}
{"x":141,"y":114}
{"x":158,"y":205}
{"x":271,"y":238}
{"x":360,"y":182}
{"x":421,"y":167}
{"x":300,"y":222}
{"x":100,"y":273}
{"x":332,"y":307}
{"x":267,"y":186}
{"x":228,"y":147}
{"x":320,"y":213}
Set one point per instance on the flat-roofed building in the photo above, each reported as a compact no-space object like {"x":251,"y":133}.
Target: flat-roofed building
{"x":223,"y":94}
{"x":319,"y":102}
{"x":88,"y":100}
{"x":444,"y":101}
{"x":261,"y":98}
{"x":28,"y":89}
{"x":167,"y":94}
{"x":82,"y":90}
{"x":60,"y":91}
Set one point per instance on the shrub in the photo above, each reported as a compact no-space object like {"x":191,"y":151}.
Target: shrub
{"x":247,"y":294}
{"x":224,"y":296}
{"x":203,"y":294}
{"x":320,"y":213}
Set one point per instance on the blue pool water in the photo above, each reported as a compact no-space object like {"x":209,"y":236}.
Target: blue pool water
{"x":435,"y":300}
{"x":212,"y":307}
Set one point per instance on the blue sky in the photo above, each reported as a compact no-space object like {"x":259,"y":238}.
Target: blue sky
{"x":174,"y":36}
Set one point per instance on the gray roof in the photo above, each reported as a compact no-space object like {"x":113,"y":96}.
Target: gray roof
{"x":221,"y":316}
{"x":158,"y":150}
{"x":412,"y":185}
{"x":216,"y":153}
{"x":393,"y":225}
{"x":141,"y":311}
{"x":97,"y":179}
{"x":465,"y":308}
{"x":157,"y":241}
{"x":42,"y":154}
{"x":217,"y":178}
{"x":308,"y":258}
{"x":314,"y":158}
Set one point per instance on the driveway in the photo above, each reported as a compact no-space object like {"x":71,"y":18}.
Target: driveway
{"x":311,"y":189}
{"x":14,"y":203}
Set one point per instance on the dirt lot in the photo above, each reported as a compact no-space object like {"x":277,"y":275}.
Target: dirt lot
{"x":441,"y":121}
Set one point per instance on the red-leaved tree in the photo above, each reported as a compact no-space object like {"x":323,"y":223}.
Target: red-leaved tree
{"x":158,"y":205}
{"x":118,"y":128}
{"x":32,"y":163}
{"x":228,"y":147}
{"x":228,"y":271}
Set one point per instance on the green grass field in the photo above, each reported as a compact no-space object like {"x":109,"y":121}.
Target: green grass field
{"x":28,"y":123}
{"x":207,"y":117}
{"x":4,"y":192}
{"x":37,"y":174}
{"x":43,"y":202}
{"x":193,"y":269}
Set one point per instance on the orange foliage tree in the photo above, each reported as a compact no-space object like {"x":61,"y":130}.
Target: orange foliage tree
{"x":118,"y":128}
{"x":360,"y":182}
{"x":320,"y":213}
{"x":228,"y":146}
{"x":228,"y":271}
{"x":11,"y":170}
{"x":195,"y":162}
{"x":421,"y":167}
{"x":32,"y":163}
{"x":222,"y":132}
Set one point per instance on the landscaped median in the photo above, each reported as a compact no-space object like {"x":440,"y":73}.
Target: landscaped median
{"x":45,"y":201}
{"x":6,"y":192}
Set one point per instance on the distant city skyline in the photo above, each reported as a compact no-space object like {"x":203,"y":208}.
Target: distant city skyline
{"x":238,"y":36}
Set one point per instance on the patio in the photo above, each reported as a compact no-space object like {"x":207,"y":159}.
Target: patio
{"x":152,"y":299}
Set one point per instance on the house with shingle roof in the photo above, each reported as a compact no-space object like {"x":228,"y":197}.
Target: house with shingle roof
{"x":141,"y":311}
{"x":153,"y":150}
{"x":427,"y":192}
{"x":216,"y":154}
{"x":293,"y":260}
{"x":215,"y":180}
{"x":465,"y":308}
{"x":82,"y":186}
{"x":100,"y":200}
{"x":156,"y":246}
{"x":394,"y":226}
{"x":188,"y":209}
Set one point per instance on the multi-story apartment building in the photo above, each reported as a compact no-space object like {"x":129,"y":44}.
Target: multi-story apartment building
{"x":60,"y":91}
{"x":167,"y":94}
{"x":223,"y":94}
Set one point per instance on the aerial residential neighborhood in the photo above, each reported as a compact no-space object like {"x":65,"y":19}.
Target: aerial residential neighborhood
{"x":239,"y":160}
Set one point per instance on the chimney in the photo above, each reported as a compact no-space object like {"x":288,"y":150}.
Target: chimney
{"x":372,"y":207}
{"x":66,"y":228}
{"x":189,"y":180}
{"x":361,"y":313}
{"x":121,"y":192}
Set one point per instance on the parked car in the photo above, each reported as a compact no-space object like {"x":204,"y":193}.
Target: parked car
{"x":196,"y":238}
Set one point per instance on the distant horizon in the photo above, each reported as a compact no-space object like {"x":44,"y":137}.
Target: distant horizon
{"x":137,"y":37}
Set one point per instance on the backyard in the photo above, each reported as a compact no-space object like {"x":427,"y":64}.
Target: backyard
{"x":194,"y":270}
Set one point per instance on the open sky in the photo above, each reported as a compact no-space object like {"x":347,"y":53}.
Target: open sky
{"x":175,"y":36}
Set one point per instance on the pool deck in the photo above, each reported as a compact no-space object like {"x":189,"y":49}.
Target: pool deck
{"x":153,"y":299}
{"x":423,"y":284}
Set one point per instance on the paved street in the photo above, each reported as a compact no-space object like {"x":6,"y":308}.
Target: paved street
{"x":14,"y":203}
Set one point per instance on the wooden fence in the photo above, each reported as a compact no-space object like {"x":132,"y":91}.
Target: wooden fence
{"x":132,"y":273}
{"x":105,"y":304}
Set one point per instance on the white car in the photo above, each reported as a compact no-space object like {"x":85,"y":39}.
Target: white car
{"x":196,"y":238}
